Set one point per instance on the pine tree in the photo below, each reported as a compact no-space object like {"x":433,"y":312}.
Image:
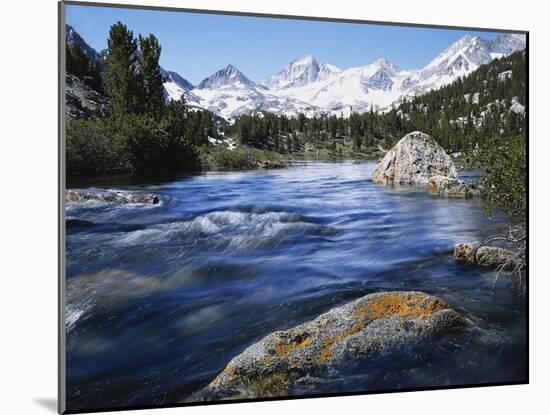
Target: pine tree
{"x":77,"y":62}
{"x":121,"y":81}
{"x":152,"y":94}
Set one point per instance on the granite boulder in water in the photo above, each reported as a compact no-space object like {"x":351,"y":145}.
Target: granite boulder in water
{"x":371,"y":324}
{"x":414,"y":160}
{"x":451,"y":187}
{"x":487,"y":256}
{"x":111,"y":196}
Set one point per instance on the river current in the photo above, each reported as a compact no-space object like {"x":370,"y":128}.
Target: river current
{"x":161,"y":297}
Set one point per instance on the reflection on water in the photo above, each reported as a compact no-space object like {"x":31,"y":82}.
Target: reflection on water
{"x":161,"y":297}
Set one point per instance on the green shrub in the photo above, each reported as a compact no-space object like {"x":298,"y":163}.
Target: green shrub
{"x":152,"y":147}
{"x":503,"y":160}
{"x":91,"y":149}
{"x":222,"y":158}
{"x":133,"y":143}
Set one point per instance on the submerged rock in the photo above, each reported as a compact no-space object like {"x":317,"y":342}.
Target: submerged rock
{"x":414,"y":160}
{"x":451,"y":187}
{"x":341,"y":336}
{"x":111,"y":196}
{"x":486,"y":256}
{"x":464,"y":253}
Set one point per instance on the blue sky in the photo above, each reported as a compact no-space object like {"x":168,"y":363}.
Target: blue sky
{"x":197,"y":45}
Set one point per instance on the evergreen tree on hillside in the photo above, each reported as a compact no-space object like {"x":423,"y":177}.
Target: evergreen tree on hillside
{"x":122,"y":80}
{"x":78,"y":64}
{"x":153,"y":90}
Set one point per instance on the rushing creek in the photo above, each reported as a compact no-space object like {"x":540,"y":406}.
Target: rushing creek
{"x":161,"y":297}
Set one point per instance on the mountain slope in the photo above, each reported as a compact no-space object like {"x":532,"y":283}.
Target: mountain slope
{"x":465,"y":56}
{"x":381,"y":84}
{"x":72,"y":37}
{"x":489,"y":101}
{"x":230,"y":94}
{"x":175,"y":85}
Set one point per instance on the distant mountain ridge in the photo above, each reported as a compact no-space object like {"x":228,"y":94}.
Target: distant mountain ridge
{"x":72,"y":37}
{"x":300,"y":72}
{"x":312,"y":87}
{"x":224,"y":77}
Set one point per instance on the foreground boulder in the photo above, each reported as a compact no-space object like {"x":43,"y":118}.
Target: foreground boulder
{"x":486,"y":256}
{"x":111,"y":196}
{"x":414,"y":160}
{"x":365,"y":326}
{"x":451,"y":187}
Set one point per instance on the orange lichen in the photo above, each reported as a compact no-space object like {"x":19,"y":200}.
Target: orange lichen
{"x":295,"y":344}
{"x":401,"y":305}
{"x":229,"y":372}
{"x":326,"y":354}
{"x":360,"y":325}
{"x":464,"y":252}
{"x":328,"y":342}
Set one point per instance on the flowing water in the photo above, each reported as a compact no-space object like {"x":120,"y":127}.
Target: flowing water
{"x":161,"y":297}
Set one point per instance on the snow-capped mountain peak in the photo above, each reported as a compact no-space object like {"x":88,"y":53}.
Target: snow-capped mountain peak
{"x":386,"y":64}
{"x":300,"y":72}
{"x":226,"y":76}
{"x":304,"y":61}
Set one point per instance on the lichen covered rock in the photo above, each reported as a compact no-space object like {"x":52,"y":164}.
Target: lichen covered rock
{"x":414,"y":160}
{"x":111,"y":196}
{"x":493,"y":256}
{"x":451,"y":187}
{"x":464,"y":253}
{"x":486,"y":256}
{"x":341,"y":336}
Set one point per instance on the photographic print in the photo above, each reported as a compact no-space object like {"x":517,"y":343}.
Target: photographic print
{"x":264,"y":207}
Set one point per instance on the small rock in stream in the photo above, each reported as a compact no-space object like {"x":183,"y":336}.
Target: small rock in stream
{"x":451,"y":187}
{"x":485,"y":256}
{"x":111,"y":196}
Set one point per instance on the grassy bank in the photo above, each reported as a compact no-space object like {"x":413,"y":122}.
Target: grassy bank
{"x":240,"y":158}
{"x":343,"y":150}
